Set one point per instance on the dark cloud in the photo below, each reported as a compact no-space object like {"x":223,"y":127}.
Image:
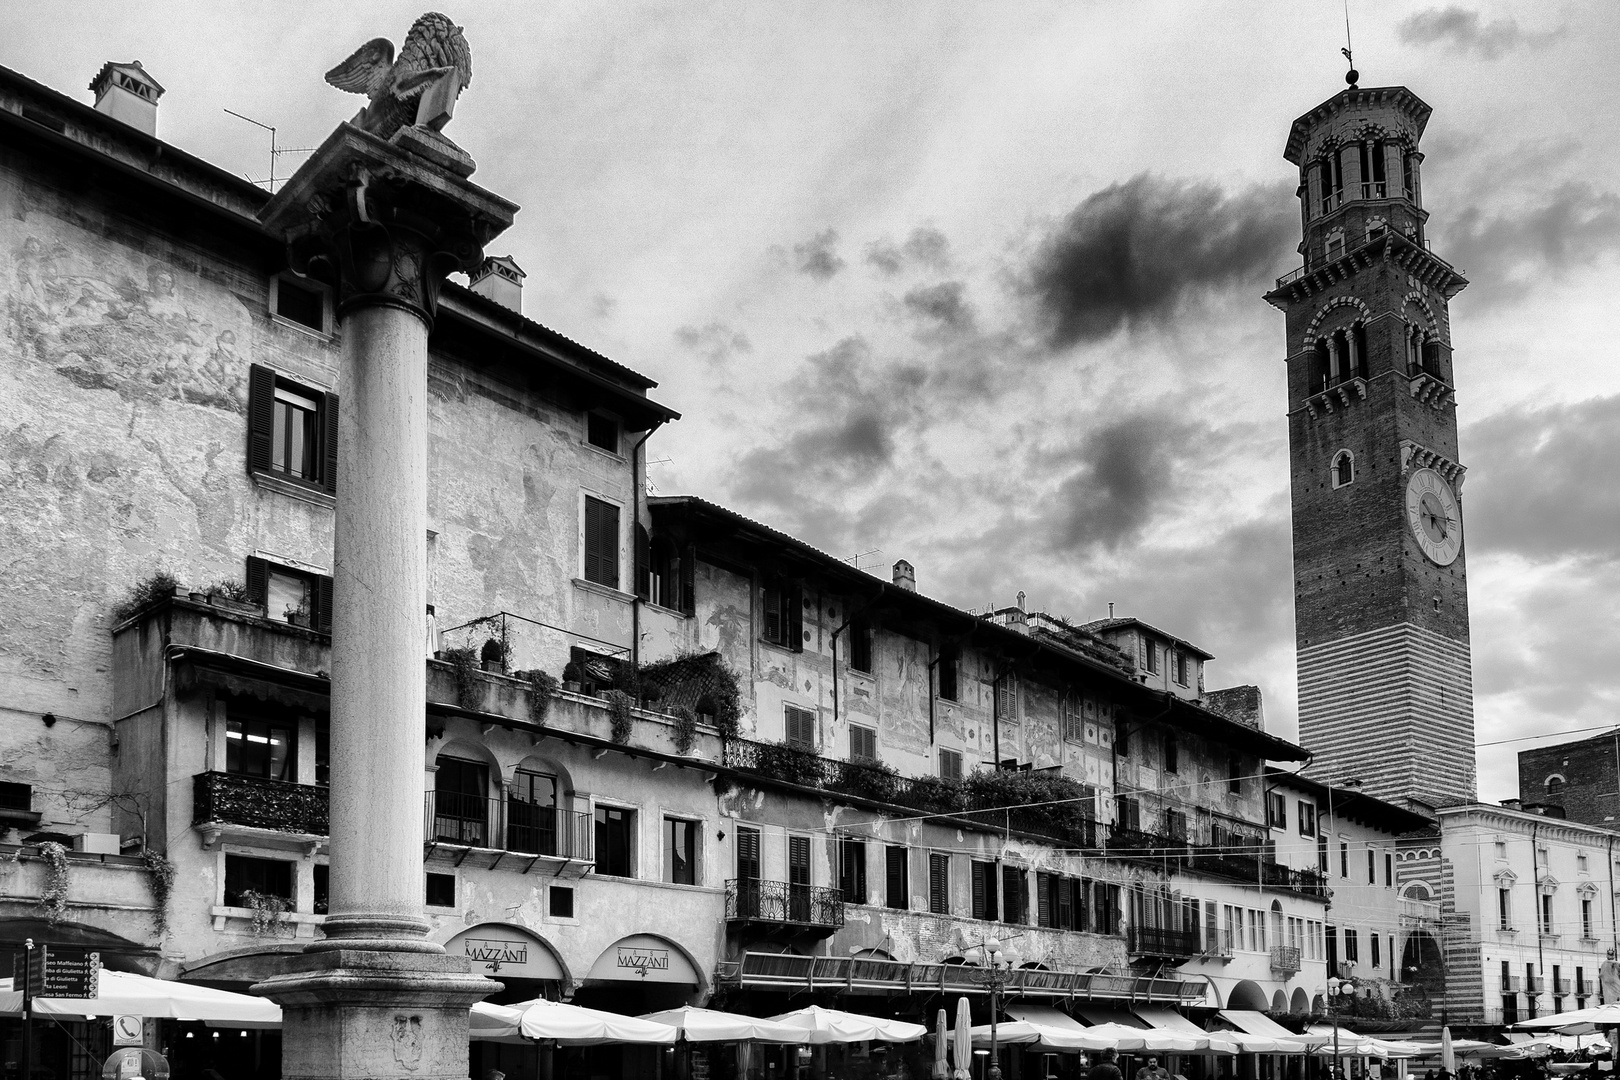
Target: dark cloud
{"x":1133,"y":253}
{"x":1463,"y":31}
{"x":1541,"y":481}
{"x":1123,"y":474}
{"x":942,"y":306}
{"x":926,"y":247}
{"x":1503,"y":253}
{"x":817,"y":256}
{"x":844,"y":410}
{"x":717,"y":343}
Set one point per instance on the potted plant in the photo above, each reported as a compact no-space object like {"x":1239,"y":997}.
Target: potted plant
{"x":571,"y":677}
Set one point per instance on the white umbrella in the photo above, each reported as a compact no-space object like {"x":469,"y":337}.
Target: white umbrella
{"x":817,"y":1026}
{"x":571,"y":1025}
{"x":120,"y":993}
{"x":962,"y":1044}
{"x":1448,"y":1055}
{"x":1579,"y":1022}
{"x":942,"y":1069}
{"x":1044,"y":1037}
{"x":711,"y":1025}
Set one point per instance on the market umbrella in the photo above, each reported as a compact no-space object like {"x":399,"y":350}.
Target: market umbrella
{"x":711,"y":1025}
{"x":962,"y":1047}
{"x":817,"y":1026}
{"x":121,"y":993}
{"x":1579,"y":1022}
{"x":942,"y":1069}
{"x":1043,"y":1037}
{"x":571,"y":1025}
{"x":1448,"y":1055}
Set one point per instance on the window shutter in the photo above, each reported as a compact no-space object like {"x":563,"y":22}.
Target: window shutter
{"x":793,"y":617}
{"x":330,"y":437}
{"x":748,"y":854}
{"x":258,"y":580}
{"x":773,"y":612}
{"x":939,"y":867}
{"x":1043,"y":899}
{"x":894,"y":877}
{"x":643,"y":562}
{"x":1065,"y":903}
{"x":261,"y":416}
{"x":323,"y":604}
{"x":593,"y":528}
{"x":688,"y":568}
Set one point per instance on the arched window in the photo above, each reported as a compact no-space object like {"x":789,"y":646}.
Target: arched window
{"x":1344,"y":468}
{"x":1332,"y":180}
{"x":1555,"y":784}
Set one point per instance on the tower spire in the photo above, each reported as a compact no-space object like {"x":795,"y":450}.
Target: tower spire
{"x":1351,"y":76}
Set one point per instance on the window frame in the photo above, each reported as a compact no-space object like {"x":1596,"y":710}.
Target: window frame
{"x":896,"y":875}
{"x":796,"y":719}
{"x":601,"y":823}
{"x":1307,"y":817}
{"x":1344,"y":460}
{"x":263,"y":408}
{"x":862,"y":652}
{"x":863,"y":747}
{"x":242,"y":862}
{"x":318,"y":595}
{"x":694,"y":860}
{"x":782,"y":613}
{"x":243,"y":718}
{"x":617,"y":427}
{"x":939,"y":883}
{"x":590,"y":538}
{"x":1276,"y":810}
{"x":304,"y":285}
{"x":852,"y":869}
{"x":953,"y":758}
{"x":949,"y":663}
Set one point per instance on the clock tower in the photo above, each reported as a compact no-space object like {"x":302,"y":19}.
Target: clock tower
{"x":1380,"y":584}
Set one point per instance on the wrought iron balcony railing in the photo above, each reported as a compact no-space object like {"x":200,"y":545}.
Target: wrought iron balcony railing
{"x":1164,"y":941}
{"x":258,"y":803}
{"x":508,"y":825}
{"x":1285,"y":959}
{"x":783,"y":904}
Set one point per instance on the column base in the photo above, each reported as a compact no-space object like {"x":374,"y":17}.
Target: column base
{"x":379,"y":933}
{"x":365,"y":1014}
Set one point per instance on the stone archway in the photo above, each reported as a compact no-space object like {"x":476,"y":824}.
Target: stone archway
{"x":1300,"y":1004}
{"x":1248,"y":995}
{"x":1421,"y":962}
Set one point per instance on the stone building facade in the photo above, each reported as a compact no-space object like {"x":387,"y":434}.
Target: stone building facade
{"x":1578,"y":780}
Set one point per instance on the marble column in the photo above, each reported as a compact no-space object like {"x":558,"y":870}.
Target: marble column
{"x":383,"y":222}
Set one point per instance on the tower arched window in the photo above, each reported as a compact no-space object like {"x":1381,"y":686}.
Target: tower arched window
{"x":1373,"y":185}
{"x":1332,"y":180}
{"x":1344,"y":468}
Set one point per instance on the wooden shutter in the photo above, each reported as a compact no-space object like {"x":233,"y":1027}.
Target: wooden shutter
{"x":601,"y":542}
{"x":981,"y":890}
{"x":773,"y":612}
{"x":1043,"y":899}
{"x":799,"y":725}
{"x":1063,"y":916}
{"x":798,"y":860}
{"x":688,"y":576}
{"x":1082,"y":904}
{"x":748,"y":854}
{"x":258,"y":580}
{"x":261,"y":416}
{"x":895,"y":886}
{"x":939,"y":884}
{"x":329,"y":436}
{"x":1012,"y":893}
{"x":643,"y":562}
{"x":323,"y":604}
{"x":793,"y":617}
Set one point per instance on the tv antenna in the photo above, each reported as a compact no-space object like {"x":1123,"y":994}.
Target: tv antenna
{"x":1352,"y":76}
{"x":275,"y":151}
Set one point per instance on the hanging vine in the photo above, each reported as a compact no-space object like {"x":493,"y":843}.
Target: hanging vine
{"x":53,"y":898}
{"x":464,"y":670}
{"x":160,"y":879}
{"x":543,"y":687}
{"x":269,"y":912}
{"x":619,"y":709}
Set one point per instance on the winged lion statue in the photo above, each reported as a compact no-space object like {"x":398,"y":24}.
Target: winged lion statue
{"x":418,"y":88}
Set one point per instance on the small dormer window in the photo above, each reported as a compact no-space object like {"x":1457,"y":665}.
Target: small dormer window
{"x":1344,"y":468}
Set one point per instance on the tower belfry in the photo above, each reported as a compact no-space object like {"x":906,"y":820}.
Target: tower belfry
{"x":1380,"y":585}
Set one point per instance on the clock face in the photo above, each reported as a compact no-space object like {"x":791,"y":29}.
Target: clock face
{"x":1434,"y":516}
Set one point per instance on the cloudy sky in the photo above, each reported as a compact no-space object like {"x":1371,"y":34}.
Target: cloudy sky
{"x":978,"y":284}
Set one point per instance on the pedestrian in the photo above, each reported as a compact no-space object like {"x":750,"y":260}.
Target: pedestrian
{"x":1107,"y":1068}
{"x":1150,"y":1070}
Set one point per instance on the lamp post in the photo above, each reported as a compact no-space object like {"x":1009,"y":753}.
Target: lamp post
{"x":994,"y":975}
{"x":1335,"y":987}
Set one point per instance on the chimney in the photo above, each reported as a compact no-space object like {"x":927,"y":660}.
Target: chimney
{"x":1021,"y":600}
{"x":904,"y":576}
{"x":126,"y":92}
{"x":1017,"y":620}
{"x":500,"y":279}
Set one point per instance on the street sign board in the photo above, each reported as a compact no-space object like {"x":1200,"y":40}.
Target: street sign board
{"x":57,"y":973}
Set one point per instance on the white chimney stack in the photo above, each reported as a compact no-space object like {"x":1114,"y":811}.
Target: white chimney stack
{"x":904,"y":576}
{"x":126,"y":92}
{"x":501,"y":279}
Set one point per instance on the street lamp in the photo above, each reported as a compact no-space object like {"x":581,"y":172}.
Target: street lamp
{"x":994,"y":975}
{"x":1336,"y":987}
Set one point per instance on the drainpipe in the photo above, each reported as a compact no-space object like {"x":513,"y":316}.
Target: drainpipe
{"x":636,"y":502}
{"x":1535,"y":882}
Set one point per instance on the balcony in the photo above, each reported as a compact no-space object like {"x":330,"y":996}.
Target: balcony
{"x":1560,"y":987}
{"x":1284,"y":959}
{"x":253,"y":802}
{"x":1419,"y":912}
{"x":1533,"y":984}
{"x":1164,"y":941}
{"x":1218,"y":945}
{"x":508,"y":826}
{"x":866,"y":975}
{"x":778,"y":905}
{"x":1512,"y":984}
